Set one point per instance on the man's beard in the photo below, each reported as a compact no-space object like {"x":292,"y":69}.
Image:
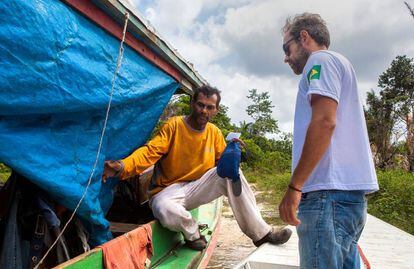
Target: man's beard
{"x":300,"y":61}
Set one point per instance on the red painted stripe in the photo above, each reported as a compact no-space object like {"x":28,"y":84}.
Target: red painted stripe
{"x":92,"y":12}
{"x":211,"y":246}
{"x":364,"y":259}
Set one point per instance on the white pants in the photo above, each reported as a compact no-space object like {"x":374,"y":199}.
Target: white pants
{"x":171,"y":205}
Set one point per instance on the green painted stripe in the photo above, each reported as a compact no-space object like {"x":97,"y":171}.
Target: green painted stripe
{"x":169,"y":249}
{"x":91,"y":260}
{"x":183,"y":257}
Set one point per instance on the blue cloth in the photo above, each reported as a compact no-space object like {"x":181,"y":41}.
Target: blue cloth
{"x":14,"y":251}
{"x":331,"y":224}
{"x":229,"y":162}
{"x":228,"y":166}
{"x":56,"y":69}
{"x":48,"y":213}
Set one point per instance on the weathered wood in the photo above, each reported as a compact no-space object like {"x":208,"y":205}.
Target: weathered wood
{"x":385,"y":246}
{"x":119,"y":227}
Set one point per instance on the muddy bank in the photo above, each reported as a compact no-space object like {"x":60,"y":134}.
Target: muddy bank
{"x":233,"y":246}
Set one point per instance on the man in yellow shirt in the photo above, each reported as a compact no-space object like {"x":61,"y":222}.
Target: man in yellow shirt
{"x":185,"y":152}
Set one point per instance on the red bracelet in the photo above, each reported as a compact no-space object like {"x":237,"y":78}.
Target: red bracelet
{"x":294,"y":188}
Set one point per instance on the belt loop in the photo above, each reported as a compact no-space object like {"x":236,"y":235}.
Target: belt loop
{"x":40,"y":226}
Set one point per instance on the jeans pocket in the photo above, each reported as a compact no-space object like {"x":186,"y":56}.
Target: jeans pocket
{"x":349,"y":220}
{"x":309,"y":213}
{"x":309,"y":204}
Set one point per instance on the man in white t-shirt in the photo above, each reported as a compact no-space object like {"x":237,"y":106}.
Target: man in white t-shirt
{"x":332,"y":161}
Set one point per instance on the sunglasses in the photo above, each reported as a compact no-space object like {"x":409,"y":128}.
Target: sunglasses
{"x":286,"y":47}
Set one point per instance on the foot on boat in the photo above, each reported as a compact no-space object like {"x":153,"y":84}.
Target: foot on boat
{"x":198,"y":244}
{"x":275,"y":237}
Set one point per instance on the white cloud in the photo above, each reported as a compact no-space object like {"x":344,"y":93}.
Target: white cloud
{"x":236,"y":45}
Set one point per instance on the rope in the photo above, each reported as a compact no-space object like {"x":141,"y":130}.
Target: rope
{"x":118,"y":66}
{"x":364,"y":258}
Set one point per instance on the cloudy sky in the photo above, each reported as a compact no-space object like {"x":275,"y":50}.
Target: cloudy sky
{"x":236,"y":44}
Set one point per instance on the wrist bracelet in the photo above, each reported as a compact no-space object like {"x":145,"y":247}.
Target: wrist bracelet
{"x":290,"y":186}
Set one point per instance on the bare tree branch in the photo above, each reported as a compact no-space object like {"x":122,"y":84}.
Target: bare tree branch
{"x":410,"y":9}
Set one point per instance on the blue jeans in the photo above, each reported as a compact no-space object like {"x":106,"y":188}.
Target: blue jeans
{"x":331,"y":224}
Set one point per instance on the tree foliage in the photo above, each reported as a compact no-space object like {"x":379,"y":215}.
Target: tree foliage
{"x":380,"y":123}
{"x":261,"y":112}
{"x":390,"y":115}
{"x":265,"y":154}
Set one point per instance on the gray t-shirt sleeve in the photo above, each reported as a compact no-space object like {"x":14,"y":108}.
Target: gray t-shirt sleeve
{"x":323,"y":74}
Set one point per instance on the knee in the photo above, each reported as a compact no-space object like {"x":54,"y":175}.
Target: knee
{"x":164,"y":216}
{"x":161,"y":212}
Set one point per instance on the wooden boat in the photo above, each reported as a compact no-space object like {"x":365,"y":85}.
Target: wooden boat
{"x":169,"y":251}
{"x":382,"y":246}
{"x":104,"y":19}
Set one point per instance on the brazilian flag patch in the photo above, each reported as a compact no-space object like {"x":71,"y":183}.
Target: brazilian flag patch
{"x":314,"y":73}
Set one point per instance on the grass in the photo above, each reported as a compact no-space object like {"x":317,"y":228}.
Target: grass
{"x":393,"y":203}
{"x":4,"y":173}
{"x":270,"y":190}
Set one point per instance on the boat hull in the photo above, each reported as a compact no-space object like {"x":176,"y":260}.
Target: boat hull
{"x":169,"y":249}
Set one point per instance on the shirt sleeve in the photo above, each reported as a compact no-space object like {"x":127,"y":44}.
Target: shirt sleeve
{"x":220,"y":144}
{"x":149,"y":154}
{"x":324,"y":76}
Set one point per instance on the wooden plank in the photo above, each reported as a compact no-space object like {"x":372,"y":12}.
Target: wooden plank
{"x":92,"y":260}
{"x":385,"y":246}
{"x":119,"y":227}
{"x":284,"y":256}
{"x":169,"y":251}
{"x":210,"y":248}
{"x":183,"y":257}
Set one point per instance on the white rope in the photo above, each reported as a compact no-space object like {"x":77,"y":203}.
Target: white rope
{"x":118,"y":66}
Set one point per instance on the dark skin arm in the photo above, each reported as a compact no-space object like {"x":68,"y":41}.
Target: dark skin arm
{"x":111,"y":168}
{"x":318,"y":138}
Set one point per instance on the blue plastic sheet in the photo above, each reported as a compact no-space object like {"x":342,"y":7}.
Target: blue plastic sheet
{"x":56,"y":69}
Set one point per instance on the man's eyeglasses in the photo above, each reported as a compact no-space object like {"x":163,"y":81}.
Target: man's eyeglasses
{"x":286,"y":47}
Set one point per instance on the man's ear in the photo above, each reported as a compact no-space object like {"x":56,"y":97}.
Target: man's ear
{"x":304,"y":36}
{"x":217,"y":110}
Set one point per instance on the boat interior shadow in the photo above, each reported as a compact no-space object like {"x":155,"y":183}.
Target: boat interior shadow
{"x":130,"y":207}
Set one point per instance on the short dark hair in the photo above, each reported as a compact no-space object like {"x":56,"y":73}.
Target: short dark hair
{"x":312,"y":23}
{"x":208,"y":91}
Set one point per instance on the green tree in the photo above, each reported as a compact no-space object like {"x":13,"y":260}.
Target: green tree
{"x":398,"y":89}
{"x":246,"y":129}
{"x":261,"y":112}
{"x":380,"y":123}
{"x":390,"y":115}
{"x":222,"y":120}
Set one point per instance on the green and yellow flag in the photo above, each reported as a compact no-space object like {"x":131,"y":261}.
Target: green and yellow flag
{"x":314,"y":73}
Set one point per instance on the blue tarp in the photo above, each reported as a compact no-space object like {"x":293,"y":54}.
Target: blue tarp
{"x":56,"y":68}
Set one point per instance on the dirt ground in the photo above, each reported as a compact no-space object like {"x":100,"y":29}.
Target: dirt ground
{"x":232,"y":245}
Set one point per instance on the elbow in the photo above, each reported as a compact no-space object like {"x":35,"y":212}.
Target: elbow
{"x":329,"y":124}
{"x":326,"y":123}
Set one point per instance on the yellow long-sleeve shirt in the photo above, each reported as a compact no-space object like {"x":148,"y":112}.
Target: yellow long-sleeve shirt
{"x":180,"y":153}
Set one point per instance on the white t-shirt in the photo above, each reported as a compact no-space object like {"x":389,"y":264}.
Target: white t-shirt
{"x":347,"y":163}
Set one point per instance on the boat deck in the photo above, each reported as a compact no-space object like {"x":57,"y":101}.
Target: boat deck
{"x":385,"y":246}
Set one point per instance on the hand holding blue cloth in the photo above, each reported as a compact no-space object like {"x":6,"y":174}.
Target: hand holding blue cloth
{"x":229,"y":164}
